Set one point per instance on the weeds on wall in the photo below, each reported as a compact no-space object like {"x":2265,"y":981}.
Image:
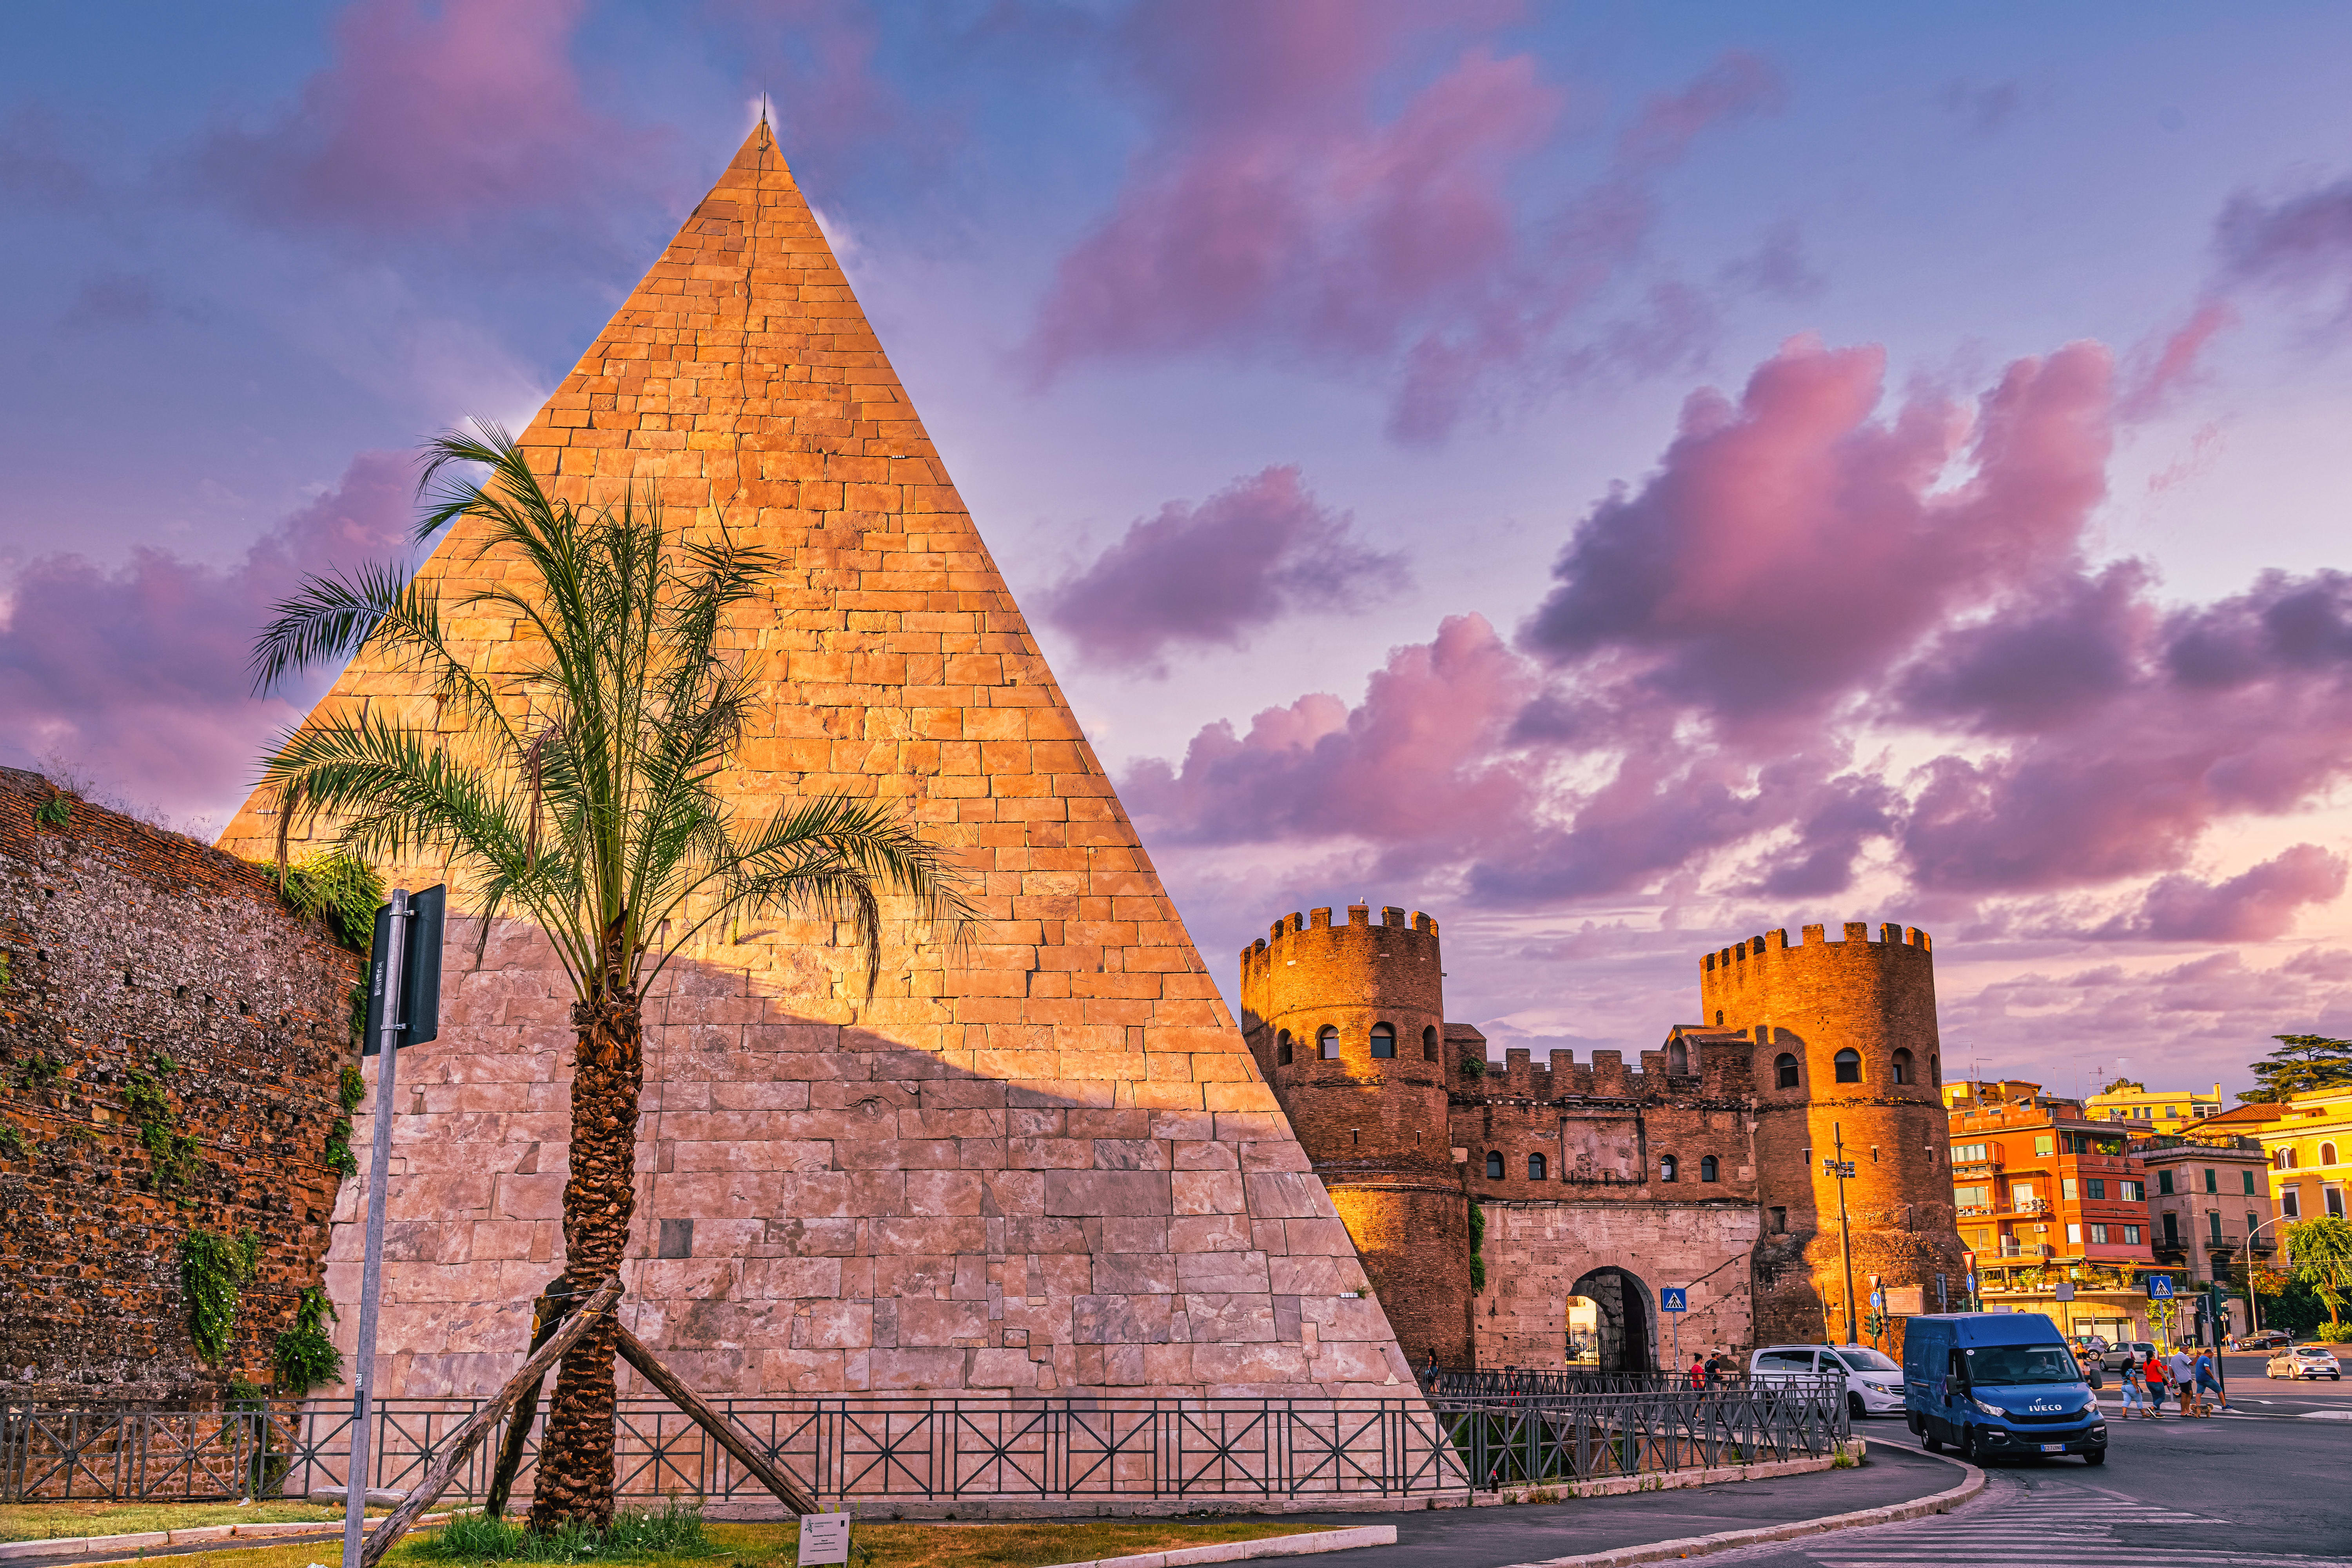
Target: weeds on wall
{"x":350,"y":1089}
{"x":12,"y":1143}
{"x":7,"y":974}
{"x":1477,"y":1246}
{"x":54,"y":812}
{"x":215,"y":1270}
{"x":175,"y":1154}
{"x":341,"y":890}
{"x":302,"y":1356}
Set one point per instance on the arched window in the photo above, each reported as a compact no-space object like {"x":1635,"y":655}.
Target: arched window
{"x":1494,"y":1166}
{"x":1326,"y":1044}
{"x":1667,"y":1168}
{"x":1282,"y":1048}
{"x":1677,"y":1058}
{"x":1718,"y":1017}
{"x":1429,"y":1044}
{"x":1784,"y":1071}
{"x":1384,"y":1039}
{"x":2284,"y":1159}
{"x":1708,"y":1171}
{"x":1902,"y":1066}
{"x":1849,"y":1066}
{"x":1935,"y":1070}
{"x":1536,"y":1167}
{"x":2327,"y":1154}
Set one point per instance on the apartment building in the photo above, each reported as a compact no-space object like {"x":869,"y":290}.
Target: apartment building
{"x":2210,"y":1208}
{"x":2307,"y":1138}
{"x":2047,"y":1198}
{"x":2167,"y":1111}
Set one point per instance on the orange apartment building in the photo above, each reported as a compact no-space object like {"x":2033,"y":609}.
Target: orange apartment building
{"x":2045,"y":1195}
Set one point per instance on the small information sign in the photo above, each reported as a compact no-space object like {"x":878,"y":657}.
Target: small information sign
{"x":824,"y":1538}
{"x":2159,"y":1288}
{"x":1673,"y":1299}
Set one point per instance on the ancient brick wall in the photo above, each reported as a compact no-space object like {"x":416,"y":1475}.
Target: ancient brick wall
{"x":1374,"y":1127}
{"x":1539,"y":1252}
{"x":124,"y":945}
{"x":1812,"y":1002}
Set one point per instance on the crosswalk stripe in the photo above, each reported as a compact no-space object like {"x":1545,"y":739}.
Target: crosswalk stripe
{"x":2083,"y":1526}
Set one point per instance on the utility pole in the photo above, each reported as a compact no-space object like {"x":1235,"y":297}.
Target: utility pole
{"x":392,"y":950}
{"x":1841,"y":1167}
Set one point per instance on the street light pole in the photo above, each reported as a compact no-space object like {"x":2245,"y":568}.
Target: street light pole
{"x":1841,"y":1167}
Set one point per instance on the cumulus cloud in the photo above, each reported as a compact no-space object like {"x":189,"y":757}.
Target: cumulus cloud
{"x":1834,"y":639}
{"x":1262,"y":548}
{"x":137,"y":674}
{"x":1791,"y":546}
{"x":464,"y":121}
{"x":1418,"y":768}
{"x":1281,"y":210}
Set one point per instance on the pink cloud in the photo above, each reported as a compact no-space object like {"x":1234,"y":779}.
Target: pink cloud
{"x":1279,"y":213}
{"x":1418,"y":767}
{"x":2255,"y":906}
{"x":1260,"y":549}
{"x":446,"y":120}
{"x":137,"y":673}
{"x":2159,"y":372}
{"x":1793,"y":545}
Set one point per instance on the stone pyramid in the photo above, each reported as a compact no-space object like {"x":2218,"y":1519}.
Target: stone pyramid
{"x":1048,"y":1165}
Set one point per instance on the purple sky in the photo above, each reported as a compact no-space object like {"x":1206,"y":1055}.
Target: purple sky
{"x":1619,"y":478}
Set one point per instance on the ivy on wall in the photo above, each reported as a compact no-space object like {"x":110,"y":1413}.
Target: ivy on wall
{"x":303,"y":1356}
{"x":1477,"y":1248}
{"x":175,"y":1154}
{"x":350,"y":1089}
{"x":213,"y":1271}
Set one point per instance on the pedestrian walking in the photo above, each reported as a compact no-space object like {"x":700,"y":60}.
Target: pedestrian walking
{"x":2206,"y":1379}
{"x":2181,"y":1371}
{"x":1697,"y":1370}
{"x":2154,"y":1369}
{"x":2136,"y":1392}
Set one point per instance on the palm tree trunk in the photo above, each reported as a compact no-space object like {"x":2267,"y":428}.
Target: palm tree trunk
{"x":575,"y":1454}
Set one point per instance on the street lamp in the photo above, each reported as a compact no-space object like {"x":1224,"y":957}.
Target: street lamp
{"x":2254,"y":1296}
{"x":1842,"y":1169}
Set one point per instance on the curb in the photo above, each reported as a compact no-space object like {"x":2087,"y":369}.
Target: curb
{"x":1660,"y":1481}
{"x":1702,"y":1545}
{"x":204,"y":1535}
{"x":1306,"y":1545}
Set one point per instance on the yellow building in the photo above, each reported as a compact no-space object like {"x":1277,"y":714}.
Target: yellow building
{"x":2308,"y":1138}
{"x":2167,"y":1111}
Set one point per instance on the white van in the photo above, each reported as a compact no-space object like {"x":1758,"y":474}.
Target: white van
{"x":1874,"y":1381}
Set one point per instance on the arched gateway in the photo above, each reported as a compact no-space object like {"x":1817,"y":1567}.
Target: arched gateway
{"x":1610,"y":1324}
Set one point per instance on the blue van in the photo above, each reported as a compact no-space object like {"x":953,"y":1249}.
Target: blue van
{"x":1998,"y":1382}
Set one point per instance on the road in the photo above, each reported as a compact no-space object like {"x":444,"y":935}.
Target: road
{"x":2263,"y":1486}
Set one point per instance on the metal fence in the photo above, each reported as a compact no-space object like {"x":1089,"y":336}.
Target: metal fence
{"x":1511,"y":1381}
{"x":1548,"y":1439}
{"x":1076,"y":1448}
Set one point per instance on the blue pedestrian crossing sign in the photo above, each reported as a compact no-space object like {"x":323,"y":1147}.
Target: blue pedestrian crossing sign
{"x":2159,"y":1288}
{"x":1671,"y":1300}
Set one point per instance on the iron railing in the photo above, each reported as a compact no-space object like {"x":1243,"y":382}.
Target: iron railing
{"x":1569,"y":1438}
{"x":1075,"y":1448}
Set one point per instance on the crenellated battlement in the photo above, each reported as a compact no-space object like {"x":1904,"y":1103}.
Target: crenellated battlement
{"x":1707,"y":1064}
{"x":1890,"y":934}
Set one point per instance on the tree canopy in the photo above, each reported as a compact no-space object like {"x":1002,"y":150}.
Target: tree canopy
{"x":2301,"y":1064}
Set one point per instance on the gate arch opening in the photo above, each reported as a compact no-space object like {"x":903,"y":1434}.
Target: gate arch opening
{"x":1610,"y":1324}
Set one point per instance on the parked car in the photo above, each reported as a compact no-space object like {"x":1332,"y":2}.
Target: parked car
{"x":2268,"y":1339}
{"x":1874,"y":1382}
{"x":2089,"y":1347}
{"x":2131,"y":1352}
{"x":2305,"y":1361}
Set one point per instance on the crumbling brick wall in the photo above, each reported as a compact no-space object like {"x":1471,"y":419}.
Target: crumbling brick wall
{"x":125,"y":944}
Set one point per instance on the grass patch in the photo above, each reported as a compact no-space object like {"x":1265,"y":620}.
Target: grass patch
{"x":49,"y":1521}
{"x":675,"y":1532}
{"x":900,"y":1545}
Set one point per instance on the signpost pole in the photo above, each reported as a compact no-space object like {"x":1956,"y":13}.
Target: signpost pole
{"x":1841,"y":1170}
{"x":385,"y":976}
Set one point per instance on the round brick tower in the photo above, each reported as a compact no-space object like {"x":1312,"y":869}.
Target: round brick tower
{"x":1846,"y":1051}
{"x":1347,"y":1024}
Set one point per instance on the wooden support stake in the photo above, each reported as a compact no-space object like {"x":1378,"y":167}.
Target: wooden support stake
{"x":547,"y":1315}
{"x":462,"y":1441}
{"x":633,"y":1351}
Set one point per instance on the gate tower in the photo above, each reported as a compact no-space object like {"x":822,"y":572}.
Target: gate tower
{"x":1845,"y":1046}
{"x":1347,"y":1024}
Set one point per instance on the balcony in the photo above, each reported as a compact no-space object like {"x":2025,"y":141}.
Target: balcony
{"x":1985,"y":1166}
{"x":2263,"y":1245}
{"x":2027,"y":1206}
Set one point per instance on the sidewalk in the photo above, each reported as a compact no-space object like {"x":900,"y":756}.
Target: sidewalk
{"x":1503,"y":1537}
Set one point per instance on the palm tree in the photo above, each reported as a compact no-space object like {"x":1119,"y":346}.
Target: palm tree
{"x":577,"y":789}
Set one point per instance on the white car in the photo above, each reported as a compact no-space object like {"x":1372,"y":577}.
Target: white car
{"x":1873,"y":1384}
{"x":2305,"y":1361}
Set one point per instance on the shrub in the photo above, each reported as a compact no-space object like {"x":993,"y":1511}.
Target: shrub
{"x":213,"y":1269}
{"x":341,"y":890}
{"x":2334,"y":1333}
{"x":303,"y":1356}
